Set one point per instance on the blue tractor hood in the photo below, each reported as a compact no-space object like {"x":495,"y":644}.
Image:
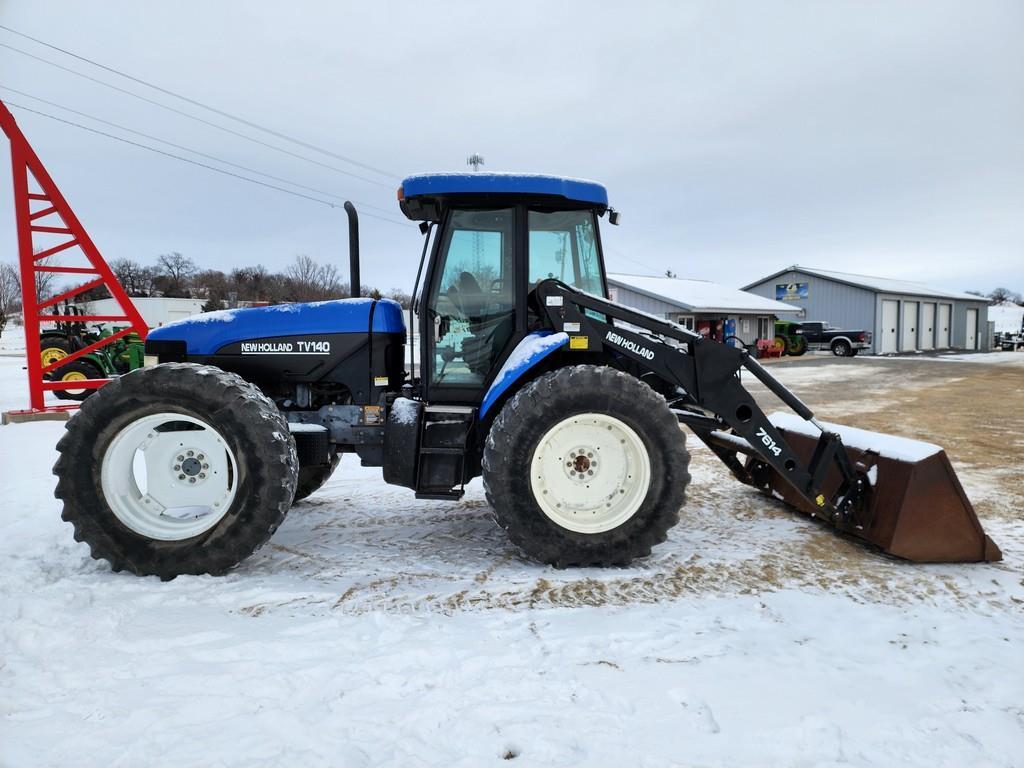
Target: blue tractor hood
{"x":205,"y":334}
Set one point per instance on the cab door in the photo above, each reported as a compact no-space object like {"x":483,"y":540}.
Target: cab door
{"x":469,"y":317}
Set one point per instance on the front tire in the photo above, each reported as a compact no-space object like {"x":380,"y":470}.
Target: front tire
{"x":176,"y":469}
{"x":586,"y":466}
{"x":76,"y":370}
{"x":54,"y":348}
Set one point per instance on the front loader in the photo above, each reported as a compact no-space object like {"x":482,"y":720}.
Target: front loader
{"x":567,"y":404}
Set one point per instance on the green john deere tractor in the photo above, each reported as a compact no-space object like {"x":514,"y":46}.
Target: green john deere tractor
{"x":789,"y":339}
{"x":67,"y":336}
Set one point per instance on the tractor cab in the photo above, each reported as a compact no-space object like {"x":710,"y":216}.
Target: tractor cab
{"x":497,"y":236}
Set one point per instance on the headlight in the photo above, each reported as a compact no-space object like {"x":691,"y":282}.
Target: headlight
{"x":149,"y":361}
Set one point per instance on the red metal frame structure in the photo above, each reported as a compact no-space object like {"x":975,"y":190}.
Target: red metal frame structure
{"x":46,"y":211}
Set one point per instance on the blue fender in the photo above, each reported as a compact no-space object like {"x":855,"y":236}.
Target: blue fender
{"x":528,"y":352}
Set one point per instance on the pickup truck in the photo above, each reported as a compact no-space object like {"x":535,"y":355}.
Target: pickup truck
{"x":841,"y":343}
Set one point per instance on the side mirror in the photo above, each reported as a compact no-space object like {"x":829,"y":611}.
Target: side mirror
{"x":614,"y":216}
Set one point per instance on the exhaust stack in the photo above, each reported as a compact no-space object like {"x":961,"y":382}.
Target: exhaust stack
{"x":353,"y":250}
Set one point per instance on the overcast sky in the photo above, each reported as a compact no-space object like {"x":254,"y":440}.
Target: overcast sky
{"x":885,"y":138}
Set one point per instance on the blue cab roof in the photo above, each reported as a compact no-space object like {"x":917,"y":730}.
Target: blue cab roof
{"x":440,"y":184}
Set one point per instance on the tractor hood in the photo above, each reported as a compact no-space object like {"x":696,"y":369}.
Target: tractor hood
{"x":209,"y":332}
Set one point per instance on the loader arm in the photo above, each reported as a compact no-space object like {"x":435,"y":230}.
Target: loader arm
{"x":701,"y":380}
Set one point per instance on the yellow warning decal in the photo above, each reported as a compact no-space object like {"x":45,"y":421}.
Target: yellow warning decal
{"x":579,"y":342}
{"x":820,"y":500}
{"x":380,"y":381}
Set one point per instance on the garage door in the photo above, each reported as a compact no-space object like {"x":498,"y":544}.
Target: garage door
{"x":909,"y":338}
{"x":890,"y":319}
{"x":972,"y":329}
{"x":942,"y":338}
{"x":927,"y":326}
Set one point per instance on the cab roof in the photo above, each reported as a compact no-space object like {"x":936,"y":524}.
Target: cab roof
{"x":423,"y":195}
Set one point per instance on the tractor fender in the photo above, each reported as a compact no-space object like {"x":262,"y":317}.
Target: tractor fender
{"x":528,"y":353}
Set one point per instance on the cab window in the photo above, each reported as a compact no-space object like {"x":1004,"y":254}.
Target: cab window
{"x":472,"y":306}
{"x":563,"y":246}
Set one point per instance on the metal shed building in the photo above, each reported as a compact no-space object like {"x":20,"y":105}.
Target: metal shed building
{"x":902,"y":316}
{"x":711,"y":309}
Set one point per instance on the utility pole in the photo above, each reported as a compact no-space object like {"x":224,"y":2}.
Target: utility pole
{"x":476,"y":160}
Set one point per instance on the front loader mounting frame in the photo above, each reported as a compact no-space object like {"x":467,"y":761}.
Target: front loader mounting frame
{"x":701,"y":381}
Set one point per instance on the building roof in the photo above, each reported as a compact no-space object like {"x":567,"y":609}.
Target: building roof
{"x":878,"y":284}
{"x":436,"y":184}
{"x":701,"y":295}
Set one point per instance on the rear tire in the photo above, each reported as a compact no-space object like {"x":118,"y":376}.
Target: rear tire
{"x":238,"y":440}
{"x":74,"y":371}
{"x":841,"y":348}
{"x":797,"y":347}
{"x":311,"y":479}
{"x":633,"y":505}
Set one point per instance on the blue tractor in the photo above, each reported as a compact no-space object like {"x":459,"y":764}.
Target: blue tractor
{"x":569,"y":405}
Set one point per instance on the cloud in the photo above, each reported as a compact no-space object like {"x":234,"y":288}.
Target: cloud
{"x":738,"y":137}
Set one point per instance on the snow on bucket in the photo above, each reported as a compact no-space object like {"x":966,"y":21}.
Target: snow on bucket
{"x":917,"y":508}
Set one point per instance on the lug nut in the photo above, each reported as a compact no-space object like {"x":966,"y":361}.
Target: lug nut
{"x":181,"y":477}
{"x":590,"y":471}
{"x":200,"y":457}
{"x":191,"y":454}
{"x":191,"y":479}
{"x":590,"y":455}
{"x":206,"y":466}
{"x":202,"y":475}
{"x":181,"y":458}
{"x":177,"y":467}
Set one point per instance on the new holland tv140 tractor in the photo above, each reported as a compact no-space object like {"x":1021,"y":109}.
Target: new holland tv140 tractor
{"x":569,"y":405}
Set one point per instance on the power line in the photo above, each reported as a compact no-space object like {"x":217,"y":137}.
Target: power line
{"x":200,"y":104}
{"x":193,"y":117}
{"x":619,"y":254}
{"x":189,"y":149}
{"x":193,"y":162}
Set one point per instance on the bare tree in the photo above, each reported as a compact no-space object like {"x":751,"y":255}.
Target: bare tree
{"x":44,"y":284}
{"x":10,"y":293}
{"x":175,"y":272}
{"x":999,"y":295}
{"x":403,"y":298}
{"x":311,"y":281}
{"x":136,"y":279}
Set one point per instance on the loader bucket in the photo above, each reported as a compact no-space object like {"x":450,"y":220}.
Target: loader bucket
{"x":917,"y":508}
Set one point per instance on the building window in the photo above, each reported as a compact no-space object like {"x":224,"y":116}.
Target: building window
{"x":764,"y":328}
{"x":686,"y":321}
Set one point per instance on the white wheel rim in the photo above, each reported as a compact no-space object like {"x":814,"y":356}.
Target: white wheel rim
{"x":169,"y":476}
{"x":590,"y":473}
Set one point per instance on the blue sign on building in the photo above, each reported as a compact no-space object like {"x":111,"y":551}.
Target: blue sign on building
{"x":791,"y":291}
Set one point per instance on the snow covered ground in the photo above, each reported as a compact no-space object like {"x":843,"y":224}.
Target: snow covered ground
{"x":375,"y":629}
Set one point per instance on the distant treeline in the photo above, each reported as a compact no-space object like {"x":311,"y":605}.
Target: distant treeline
{"x":176,"y":275}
